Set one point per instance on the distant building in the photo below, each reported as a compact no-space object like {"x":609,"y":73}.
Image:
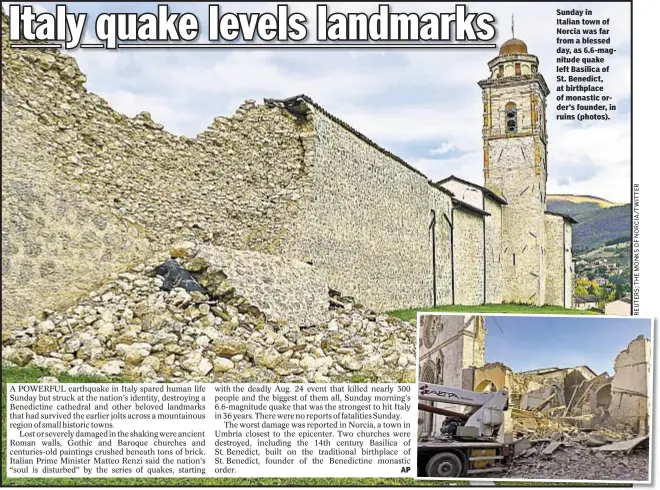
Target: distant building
{"x":620,"y":307}
{"x":586,"y":302}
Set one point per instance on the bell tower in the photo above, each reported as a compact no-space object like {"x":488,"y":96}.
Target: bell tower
{"x":515,"y":156}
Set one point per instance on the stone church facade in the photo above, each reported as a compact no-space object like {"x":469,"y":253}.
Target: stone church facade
{"x":449,"y":347}
{"x":386,"y":234}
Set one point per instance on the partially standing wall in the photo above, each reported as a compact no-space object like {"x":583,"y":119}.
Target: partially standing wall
{"x":88,"y":192}
{"x":630,"y":401}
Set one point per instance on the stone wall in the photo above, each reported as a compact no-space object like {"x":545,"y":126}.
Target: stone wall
{"x":493,"y":252}
{"x":558,"y":261}
{"x":522,"y":219}
{"x":569,"y":267}
{"x":88,"y":191}
{"x":468,"y":257}
{"x":630,"y":390}
{"x":443,"y":251}
{"x":555,"y":260}
{"x":366,"y":224}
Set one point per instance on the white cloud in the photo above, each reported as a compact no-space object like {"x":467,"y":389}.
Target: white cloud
{"x":396,"y":97}
{"x":443,"y":149}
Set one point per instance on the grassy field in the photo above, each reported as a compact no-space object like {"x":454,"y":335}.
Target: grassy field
{"x":496,"y":308}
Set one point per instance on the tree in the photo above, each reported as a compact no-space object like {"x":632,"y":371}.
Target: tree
{"x":595,"y":289}
{"x":619,"y":291}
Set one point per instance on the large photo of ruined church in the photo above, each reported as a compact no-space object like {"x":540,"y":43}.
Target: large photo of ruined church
{"x":585,"y":420}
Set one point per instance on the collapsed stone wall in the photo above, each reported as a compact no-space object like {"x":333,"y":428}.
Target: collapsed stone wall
{"x":630,"y":387}
{"x":88,"y":191}
{"x":131,"y":328}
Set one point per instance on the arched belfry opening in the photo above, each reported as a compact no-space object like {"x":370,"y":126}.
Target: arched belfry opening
{"x":511,"y":115}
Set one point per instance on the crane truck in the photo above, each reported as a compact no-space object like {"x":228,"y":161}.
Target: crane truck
{"x":467,"y":443}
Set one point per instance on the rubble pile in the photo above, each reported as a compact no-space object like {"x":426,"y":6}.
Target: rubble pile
{"x":557,"y":449}
{"x":593,"y":456}
{"x":237,"y":332}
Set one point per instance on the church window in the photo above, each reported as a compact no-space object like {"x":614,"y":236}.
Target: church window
{"x":431,"y":325}
{"x":517,"y":68}
{"x":440,"y":364}
{"x":500,"y":71}
{"x":429,"y":373}
{"x":511,"y":115}
{"x":514,"y":259}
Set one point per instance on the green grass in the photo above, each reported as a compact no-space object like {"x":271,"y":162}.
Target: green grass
{"x":411,"y":314}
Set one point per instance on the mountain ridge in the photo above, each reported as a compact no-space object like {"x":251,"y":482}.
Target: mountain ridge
{"x":582,"y":198}
{"x":599,"y":220}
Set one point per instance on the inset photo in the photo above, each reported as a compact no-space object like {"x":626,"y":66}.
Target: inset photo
{"x":534,"y":398}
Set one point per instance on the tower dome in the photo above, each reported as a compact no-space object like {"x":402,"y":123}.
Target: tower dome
{"x":513,"y":46}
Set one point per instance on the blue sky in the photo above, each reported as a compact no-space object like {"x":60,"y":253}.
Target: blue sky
{"x":424,"y":105}
{"x":524,"y":343}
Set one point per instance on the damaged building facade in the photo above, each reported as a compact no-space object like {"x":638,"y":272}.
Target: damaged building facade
{"x":577,"y":395}
{"x":452,"y":354}
{"x":285,"y":177}
{"x":450,"y":347}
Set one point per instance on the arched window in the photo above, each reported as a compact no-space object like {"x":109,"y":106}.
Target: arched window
{"x":428,"y":374}
{"x":511,"y":117}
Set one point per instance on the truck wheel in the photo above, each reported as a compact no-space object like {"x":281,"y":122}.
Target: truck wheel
{"x":444,"y":465}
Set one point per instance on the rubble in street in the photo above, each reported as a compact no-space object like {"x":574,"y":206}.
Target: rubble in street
{"x":557,"y":450}
{"x":574,"y":424}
